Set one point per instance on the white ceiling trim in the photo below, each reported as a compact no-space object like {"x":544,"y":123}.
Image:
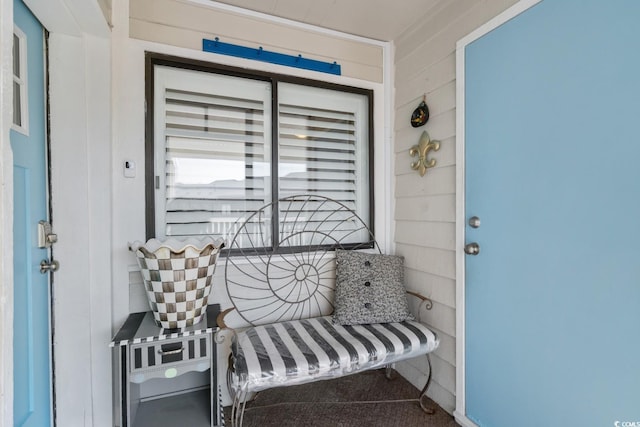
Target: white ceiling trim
{"x":70,"y":17}
{"x":55,"y":16}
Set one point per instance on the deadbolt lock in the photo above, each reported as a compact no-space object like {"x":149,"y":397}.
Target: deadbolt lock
{"x":46,"y":236}
{"x":474,"y":222}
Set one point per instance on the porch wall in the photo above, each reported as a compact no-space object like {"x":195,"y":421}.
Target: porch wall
{"x":425,"y":206}
{"x":184,"y":24}
{"x":177,"y":28}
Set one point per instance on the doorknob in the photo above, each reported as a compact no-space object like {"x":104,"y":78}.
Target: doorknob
{"x":474,"y":222}
{"x":472,"y":248}
{"x":48,"y":266}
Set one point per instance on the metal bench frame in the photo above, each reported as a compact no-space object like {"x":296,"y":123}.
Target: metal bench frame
{"x":292,"y":285}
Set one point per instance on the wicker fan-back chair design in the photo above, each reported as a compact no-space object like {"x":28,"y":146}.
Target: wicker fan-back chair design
{"x":294,"y":278}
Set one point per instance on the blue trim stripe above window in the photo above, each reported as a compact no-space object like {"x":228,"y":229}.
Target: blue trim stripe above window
{"x":216,"y":46}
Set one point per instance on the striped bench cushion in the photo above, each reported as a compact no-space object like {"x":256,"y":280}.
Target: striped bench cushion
{"x":301,"y":351}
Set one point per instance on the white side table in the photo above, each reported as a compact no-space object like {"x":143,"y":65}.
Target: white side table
{"x":145,"y":351}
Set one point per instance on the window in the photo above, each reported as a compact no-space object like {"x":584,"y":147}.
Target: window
{"x":223,"y":143}
{"x":20,"y":112}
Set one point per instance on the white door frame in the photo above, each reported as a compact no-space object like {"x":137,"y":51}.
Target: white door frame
{"x":6,"y":215}
{"x":460,"y":412}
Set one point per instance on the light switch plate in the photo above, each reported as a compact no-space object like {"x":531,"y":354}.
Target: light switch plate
{"x":129,"y":169}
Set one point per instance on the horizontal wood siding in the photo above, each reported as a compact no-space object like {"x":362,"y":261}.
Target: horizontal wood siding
{"x":425,"y":206}
{"x":176,"y":23}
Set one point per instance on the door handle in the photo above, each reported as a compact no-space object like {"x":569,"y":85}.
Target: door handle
{"x":472,"y":248}
{"x":47,"y":266}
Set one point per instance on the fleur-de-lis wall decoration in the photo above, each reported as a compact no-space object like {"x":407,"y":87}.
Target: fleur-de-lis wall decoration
{"x":421,"y":150}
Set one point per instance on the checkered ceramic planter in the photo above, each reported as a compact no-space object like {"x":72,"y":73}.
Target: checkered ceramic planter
{"x":177,"y":277}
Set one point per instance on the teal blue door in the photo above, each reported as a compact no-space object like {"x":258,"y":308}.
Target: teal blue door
{"x":552,"y":154}
{"x":31,"y":342}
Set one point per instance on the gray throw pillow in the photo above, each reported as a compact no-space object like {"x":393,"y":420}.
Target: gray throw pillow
{"x":369,"y":289}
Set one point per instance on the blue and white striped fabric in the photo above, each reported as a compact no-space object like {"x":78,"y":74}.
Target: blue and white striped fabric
{"x":301,"y":351}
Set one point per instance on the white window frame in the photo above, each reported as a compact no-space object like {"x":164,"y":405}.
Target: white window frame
{"x":22,"y":82}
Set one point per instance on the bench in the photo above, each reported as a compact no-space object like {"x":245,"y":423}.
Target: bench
{"x":313,"y":305}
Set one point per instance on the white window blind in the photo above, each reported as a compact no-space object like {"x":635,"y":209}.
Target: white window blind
{"x":213,"y":151}
{"x":213,"y":144}
{"x":323,"y":149}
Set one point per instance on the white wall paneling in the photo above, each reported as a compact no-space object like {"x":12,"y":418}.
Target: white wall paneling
{"x":81,"y":203}
{"x":184,"y":24}
{"x":425,"y":207}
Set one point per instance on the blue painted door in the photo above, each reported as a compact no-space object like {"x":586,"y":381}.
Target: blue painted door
{"x":552,"y":157}
{"x":31,"y":344}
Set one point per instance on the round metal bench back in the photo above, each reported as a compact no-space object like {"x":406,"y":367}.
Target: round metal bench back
{"x":292,"y":276}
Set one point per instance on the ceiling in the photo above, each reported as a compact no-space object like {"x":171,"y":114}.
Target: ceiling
{"x":375,"y":19}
